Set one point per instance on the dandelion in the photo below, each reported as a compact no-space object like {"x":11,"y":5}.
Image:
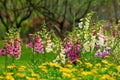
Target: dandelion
{"x":118,"y":68}
{"x":20,"y":75}
{"x":89,"y":65}
{"x":104,"y":61}
{"x":66,"y":75}
{"x":1,"y":77}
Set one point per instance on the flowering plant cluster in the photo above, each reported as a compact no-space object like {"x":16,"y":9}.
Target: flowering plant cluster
{"x":72,"y":50}
{"x":35,"y":43}
{"x":12,"y":45}
{"x":103,"y":70}
{"x":103,"y":54}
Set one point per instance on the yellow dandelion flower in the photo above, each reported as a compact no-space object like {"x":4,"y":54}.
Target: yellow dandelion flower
{"x":79,"y":61}
{"x":68,"y":66}
{"x":46,"y":63}
{"x":45,"y":70}
{"x":1,"y":77}
{"x":89,"y":65}
{"x":65,"y":70}
{"x":73,"y":69}
{"x":111,"y":78}
{"x":73,"y":79}
{"x":42,"y":67}
{"x":110,"y":72}
{"x":35,"y":75}
{"x":29,"y":78}
{"x":104,"y":69}
{"x":94,"y":71}
{"x":20,"y":75}
{"x":66,"y":75}
{"x":21,"y":69}
{"x":9,"y":77}
{"x":9,"y":73}
{"x":85,"y":73}
{"x":31,"y":70}
{"x":11,"y":66}
{"x":81,"y":69}
{"x":105,"y":61}
{"x":104,"y":77}
{"x":119,"y":75}
{"x":107,"y":57}
{"x":118,"y":68}
{"x":98,"y":65}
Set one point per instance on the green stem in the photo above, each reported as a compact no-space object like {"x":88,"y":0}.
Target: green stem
{"x":33,"y":56}
{"x":13,"y":60}
{"x":6,"y":59}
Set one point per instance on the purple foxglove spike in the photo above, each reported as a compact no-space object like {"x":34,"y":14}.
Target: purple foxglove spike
{"x":29,"y":45}
{"x":2,"y":52}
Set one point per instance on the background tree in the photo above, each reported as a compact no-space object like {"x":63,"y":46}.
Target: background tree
{"x":59,"y":15}
{"x":14,"y":12}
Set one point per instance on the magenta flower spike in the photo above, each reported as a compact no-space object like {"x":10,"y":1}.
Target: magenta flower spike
{"x":2,"y":52}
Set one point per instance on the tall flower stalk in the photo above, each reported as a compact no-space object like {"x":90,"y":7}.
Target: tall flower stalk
{"x":36,"y":45}
{"x":12,"y":46}
{"x":72,"y":50}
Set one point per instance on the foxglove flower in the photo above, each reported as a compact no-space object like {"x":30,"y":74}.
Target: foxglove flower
{"x":103,"y":54}
{"x":99,"y":54}
{"x":35,"y":43}
{"x":30,"y":44}
{"x":2,"y":52}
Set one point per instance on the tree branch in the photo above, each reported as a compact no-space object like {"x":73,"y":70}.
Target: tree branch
{"x":85,"y":12}
{"x":3,"y":22}
{"x":27,"y":15}
{"x":115,"y":10}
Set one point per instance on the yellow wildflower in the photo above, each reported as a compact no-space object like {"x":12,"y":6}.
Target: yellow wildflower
{"x":20,"y":75}
{"x":9,"y":73}
{"x":46,"y":63}
{"x":98,"y":65}
{"x":1,"y":77}
{"x":9,"y":77}
{"x":35,"y":75}
{"x":44,"y":70}
{"x":89,"y":65}
{"x":79,"y":61}
{"x":73,"y":69}
{"x":65,"y":70}
{"x":111,"y":78}
{"x":73,"y":79}
{"x":104,"y":61}
{"x":42,"y":67}
{"x":104,"y":69}
{"x":68,"y":66}
{"x":21,"y":69}
{"x":118,"y":68}
{"x":85,"y":73}
{"x":94,"y":71}
{"x":104,"y":77}
{"x":107,"y":56}
{"x":66,"y":75}
{"x":11,"y":66}
{"x":29,"y":78}
{"x":81,"y":69}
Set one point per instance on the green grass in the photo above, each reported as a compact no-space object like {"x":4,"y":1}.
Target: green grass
{"x":26,"y":56}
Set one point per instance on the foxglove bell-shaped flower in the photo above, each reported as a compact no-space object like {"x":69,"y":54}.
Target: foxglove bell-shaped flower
{"x":2,"y":52}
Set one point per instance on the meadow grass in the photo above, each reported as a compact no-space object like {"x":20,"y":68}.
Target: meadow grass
{"x":26,"y":57}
